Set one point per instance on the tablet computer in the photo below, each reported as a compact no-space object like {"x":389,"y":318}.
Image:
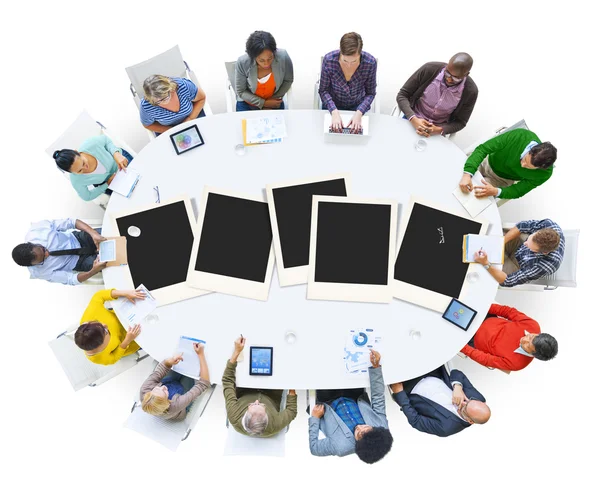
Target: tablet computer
{"x":459,"y":314}
{"x":187,"y":139}
{"x":261,"y":361}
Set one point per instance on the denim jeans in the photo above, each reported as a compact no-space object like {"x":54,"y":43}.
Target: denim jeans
{"x":243,"y":106}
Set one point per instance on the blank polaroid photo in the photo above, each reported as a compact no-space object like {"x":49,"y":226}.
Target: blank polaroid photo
{"x":233,"y":251}
{"x":160,"y":238}
{"x":290,"y":209}
{"x":352,"y":245}
{"x":429,"y":270}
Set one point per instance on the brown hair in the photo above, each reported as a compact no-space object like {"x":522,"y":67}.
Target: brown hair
{"x":351,"y":44}
{"x":90,"y":335}
{"x":547,"y":239}
{"x":155,"y":405}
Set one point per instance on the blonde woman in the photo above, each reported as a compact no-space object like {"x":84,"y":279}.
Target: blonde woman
{"x":169,"y":102}
{"x":167,"y":394}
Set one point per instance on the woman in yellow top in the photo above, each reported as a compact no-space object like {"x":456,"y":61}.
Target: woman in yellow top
{"x":101,"y":335}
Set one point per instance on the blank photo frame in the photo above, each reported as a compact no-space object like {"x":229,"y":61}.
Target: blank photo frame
{"x":159,"y":251}
{"x":187,"y":139}
{"x":232,"y":251}
{"x":352,"y":245}
{"x":290,"y":209}
{"x":430,"y":234}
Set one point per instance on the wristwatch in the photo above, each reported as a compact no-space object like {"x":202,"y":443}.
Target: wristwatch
{"x":487,"y":266}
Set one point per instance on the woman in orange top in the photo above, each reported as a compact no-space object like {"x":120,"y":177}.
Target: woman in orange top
{"x":263,"y":75}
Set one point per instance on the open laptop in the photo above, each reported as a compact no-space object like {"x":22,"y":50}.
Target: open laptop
{"x":346,"y":117}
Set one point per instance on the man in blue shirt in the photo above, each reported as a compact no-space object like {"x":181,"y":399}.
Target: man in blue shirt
{"x":350,"y":422}
{"x":62,"y":250}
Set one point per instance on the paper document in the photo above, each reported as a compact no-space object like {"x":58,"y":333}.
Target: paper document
{"x":357,"y":354}
{"x":124,"y":182}
{"x":473,"y":205}
{"x":346,"y":117}
{"x":190,"y":366}
{"x":492,"y":245}
{"x":265,"y":130}
{"x":134,"y":313}
{"x":108,"y":251}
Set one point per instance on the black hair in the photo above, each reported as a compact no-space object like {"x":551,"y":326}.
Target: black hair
{"x":89,"y":335}
{"x":374,"y":445}
{"x":258,"y":42}
{"x":545,"y":347}
{"x":64,"y":159}
{"x":23,"y":254}
{"x":543,"y":155}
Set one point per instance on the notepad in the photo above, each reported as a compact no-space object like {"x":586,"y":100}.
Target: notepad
{"x":492,"y":245}
{"x":124,"y":182}
{"x":108,"y":251}
{"x":190,"y":366}
{"x":473,"y":205}
{"x":130,"y":313}
{"x":265,"y":130}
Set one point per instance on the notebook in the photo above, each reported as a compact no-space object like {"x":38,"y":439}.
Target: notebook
{"x":190,"y":366}
{"x":265,"y":130}
{"x":473,"y":205}
{"x":492,"y":245}
{"x":124,"y":182}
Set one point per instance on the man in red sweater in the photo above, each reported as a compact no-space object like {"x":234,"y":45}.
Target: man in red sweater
{"x":509,"y":340}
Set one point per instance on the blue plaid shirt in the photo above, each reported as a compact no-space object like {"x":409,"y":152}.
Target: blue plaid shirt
{"x":533,"y":265}
{"x":348,"y":410}
{"x":358,"y":92}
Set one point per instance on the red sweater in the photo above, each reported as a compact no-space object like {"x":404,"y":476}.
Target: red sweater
{"x":497,"y":339}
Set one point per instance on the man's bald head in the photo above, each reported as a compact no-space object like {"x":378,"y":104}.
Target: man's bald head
{"x":461,"y":62}
{"x":479,"y":412}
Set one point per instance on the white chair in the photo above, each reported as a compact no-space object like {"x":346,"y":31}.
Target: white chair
{"x":238,"y":444}
{"x":565,"y":276}
{"x":80,"y":371}
{"x":169,"y":63}
{"x":168,"y":433}
{"x":231,"y":97}
{"x":84,"y":127}
{"x":317,"y":103}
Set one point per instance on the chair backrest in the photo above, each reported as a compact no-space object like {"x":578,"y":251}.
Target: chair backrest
{"x":169,"y":63}
{"x":82,"y":128}
{"x":519,"y":124}
{"x":230,"y":68}
{"x":80,"y":371}
{"x":566,"y":275}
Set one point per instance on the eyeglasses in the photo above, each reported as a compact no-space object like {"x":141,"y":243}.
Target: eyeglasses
{"x":164,"y":100}
{"x":448,"y":75}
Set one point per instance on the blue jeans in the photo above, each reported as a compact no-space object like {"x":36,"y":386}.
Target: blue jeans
{"x":186,"y":382}
{"x":243,"y":106}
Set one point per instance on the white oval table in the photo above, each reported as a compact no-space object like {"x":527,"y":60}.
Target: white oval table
{"x":383,"y":165}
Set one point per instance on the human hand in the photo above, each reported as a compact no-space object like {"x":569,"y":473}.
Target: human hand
{"x":397,"y":387}
{"x":485,"y":190}
{"x":173,"y":360}
{"x":318,"y":411}
{"x":356,"y":123}
{"x":435,"y":130}
{"x":239,"y":344}
{"x":132,"y":333}
{"x":421,"y":126}
{"x":336,"y":121}
{"x":98,"y":266}
{"x":465,"y":183}
{"x":458,"y":395}
{"x":97,"y":237}
{"x":272,"y":103}
{"x":121,"y":161}
{"x":199,"y":348}
{"x":110,"y":178}
{"x":375,"y":357}
{"x":481,"y":257}
{"x":291,"y":392}
{"x":133,"y":295}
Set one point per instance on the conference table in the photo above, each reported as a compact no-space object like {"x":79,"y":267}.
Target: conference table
{"x":383,"y":165}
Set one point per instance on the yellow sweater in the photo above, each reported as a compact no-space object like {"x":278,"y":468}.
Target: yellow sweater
{"x":97,"y":312}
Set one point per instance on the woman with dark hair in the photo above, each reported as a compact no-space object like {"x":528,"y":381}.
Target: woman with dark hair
{"x":93,"y":165}
{"x":101,"y":335}
{"x":348,"y":81}
{"x":263,"y":75}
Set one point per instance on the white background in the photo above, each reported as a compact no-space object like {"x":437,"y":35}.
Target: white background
{"x":532,"y":60}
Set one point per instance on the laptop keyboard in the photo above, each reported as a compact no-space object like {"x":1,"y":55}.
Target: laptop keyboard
{"x":346,"y":131}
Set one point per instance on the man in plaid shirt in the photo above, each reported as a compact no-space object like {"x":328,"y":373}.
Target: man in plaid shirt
{"x":532,"y":249}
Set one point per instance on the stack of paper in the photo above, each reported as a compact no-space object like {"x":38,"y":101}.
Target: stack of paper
{"x":357,"y":354}
{"x":130,"y":313}
{"x":190,"y":366}
{"x":265,"y":130}
{"x":493,"y":246}
{"x":124,"y":182}
{"x":470,"y":202}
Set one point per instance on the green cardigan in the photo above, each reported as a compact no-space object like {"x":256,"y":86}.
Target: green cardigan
{"x":504,"y":155}
{"x":236,"y":408}
{"x":102,"y":148}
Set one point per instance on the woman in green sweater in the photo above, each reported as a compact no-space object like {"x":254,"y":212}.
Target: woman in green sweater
{"x":512,"y":164}
{"x":93,"y":166}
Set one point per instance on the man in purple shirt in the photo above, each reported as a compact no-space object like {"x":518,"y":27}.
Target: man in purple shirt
{"x":439,"y":98}
{"x":348,"y":81}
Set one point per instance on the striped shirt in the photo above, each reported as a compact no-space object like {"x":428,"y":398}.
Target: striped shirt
{"x":534,"y":265}
{"x":439,"y":100}
{"x":347,"y":409}
{"x":356,"y":94}
{"x":186,"y":92}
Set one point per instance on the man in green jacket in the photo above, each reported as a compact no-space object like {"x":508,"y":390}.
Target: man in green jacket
{"x":512,"y":164}
{"x":255,"y":412}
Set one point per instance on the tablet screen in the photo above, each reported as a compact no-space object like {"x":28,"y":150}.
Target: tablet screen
{"x":261,"y":361}
{"x":459,"y":314}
